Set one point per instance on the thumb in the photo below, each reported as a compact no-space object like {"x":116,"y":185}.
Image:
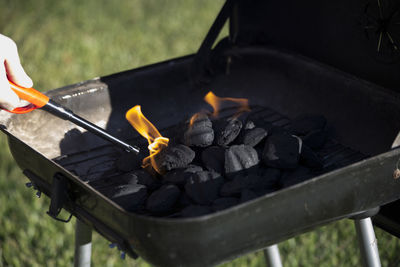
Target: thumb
{"x":15,"y":71}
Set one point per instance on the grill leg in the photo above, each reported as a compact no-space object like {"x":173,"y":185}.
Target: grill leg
{"x":83,"y":244}
{"x":272,"y":256}
{"x":367,"y":242}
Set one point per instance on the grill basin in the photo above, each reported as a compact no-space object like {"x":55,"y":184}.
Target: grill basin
{"x":284,"y":82}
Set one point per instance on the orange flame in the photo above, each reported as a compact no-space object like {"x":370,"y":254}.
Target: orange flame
{"x":156,"y":141}
{"x":195,"y":117}
{"x":216,"y":103}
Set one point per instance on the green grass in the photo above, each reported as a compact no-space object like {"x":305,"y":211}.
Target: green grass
{"x":64,"y":42}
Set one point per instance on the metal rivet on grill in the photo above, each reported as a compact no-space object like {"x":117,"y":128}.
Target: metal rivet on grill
{"x":396,"y":174}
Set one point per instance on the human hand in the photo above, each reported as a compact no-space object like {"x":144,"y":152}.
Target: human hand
{"x":11,"y":69}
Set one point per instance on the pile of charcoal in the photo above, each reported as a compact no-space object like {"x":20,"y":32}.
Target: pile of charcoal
{"x":215,"y":164}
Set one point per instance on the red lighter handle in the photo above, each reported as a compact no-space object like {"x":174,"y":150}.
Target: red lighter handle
{"x":36,"y":98}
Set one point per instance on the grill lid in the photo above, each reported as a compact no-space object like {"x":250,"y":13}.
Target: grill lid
{"x":361,"y":37}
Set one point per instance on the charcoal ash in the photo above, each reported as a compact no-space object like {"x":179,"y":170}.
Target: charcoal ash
{"x":258,"y":120}
{"x":180,"y":176}
{"x":163,"y":200}
{"x":200,"y":133}
{"x":254,"y":179}
{"x":304,"y":124}
{"x":254,"y":136}
{"x":128,"y":178}
{"x":131,"y":197}
{"x":249,"y":125}
{"x":247,"y":195}
{"x":174,"y":156}
{"x":240,"y":157}
{"x":213,"y":158}
{"x":310,"y":159}
{"x":292,"y":177}
{"x":203,"y":187}
{"x":316,"y":139}
{"x":193,"y":168}
{"x":281,"y":151}
{"x":226,"y":131}
{"x":224,"y":203}
{"x":141,"y":177}
{"x":195,"y":210}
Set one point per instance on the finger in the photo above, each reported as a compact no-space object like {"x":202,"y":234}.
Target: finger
{"x":8,"y":99}
{"x":23,"y":103}
{"x":14,"y":69}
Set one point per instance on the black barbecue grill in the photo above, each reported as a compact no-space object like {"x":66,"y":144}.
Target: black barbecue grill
{"x":288,"y":59}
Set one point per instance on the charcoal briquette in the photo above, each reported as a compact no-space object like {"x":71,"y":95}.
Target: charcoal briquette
{"x":298,"y":175}
{"x":270,"y":179}
{"x":203,"y":187}
{"x":246,"y":195}
{"x":163,"y":199}
{"x":254,"y":136}
{"x":200,"y":133}
{"x":184,"y":200}
{"x":281,"y":151}
{"x":180,"y":176}
{"x":213,"y":158}
{"x":195,"y":210}
{"x":147,"y":179}
{"x":251,"y":180}
{"x":316,"y":139}
{"x":310,"y":159}
{"x":227,"y":130}
{"x":128,"y":162}
{"x":176,"y":176}
{"x":224,"y":203}
{"x":240,"y":157}
{"x":129,"y":196}
{"x":173,"y":157}
{"x":234,"y":187}
{"x":305,"y":124}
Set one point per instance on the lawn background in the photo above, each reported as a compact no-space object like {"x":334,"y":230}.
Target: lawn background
{"x":64,"y":42}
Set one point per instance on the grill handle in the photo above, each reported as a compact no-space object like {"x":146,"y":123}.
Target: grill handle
{"x":59,"y":196}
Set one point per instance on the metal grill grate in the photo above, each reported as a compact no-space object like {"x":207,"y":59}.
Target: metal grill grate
{"x":99,"y":163}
